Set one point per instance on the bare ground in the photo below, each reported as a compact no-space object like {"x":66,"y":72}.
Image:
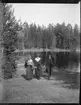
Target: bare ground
{"x":20,"y":90}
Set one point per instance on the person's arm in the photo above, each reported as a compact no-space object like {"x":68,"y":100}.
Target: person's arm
{"x":25,"y":64}
{"x":32,"y":64}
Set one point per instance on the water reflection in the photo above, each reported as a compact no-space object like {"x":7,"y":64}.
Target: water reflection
{"x":69,"y":80}
{"x":65,"y":68}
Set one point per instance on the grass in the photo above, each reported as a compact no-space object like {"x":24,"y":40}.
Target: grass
{"x":20,"y":90}
{"x":63,"y":87}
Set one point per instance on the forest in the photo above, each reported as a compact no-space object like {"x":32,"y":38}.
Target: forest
{"x":18,"y":35}
{"x":35,"y":36}
{"x":53,"y":36}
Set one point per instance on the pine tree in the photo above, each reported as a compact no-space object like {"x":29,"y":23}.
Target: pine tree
{"x":9,"y":43}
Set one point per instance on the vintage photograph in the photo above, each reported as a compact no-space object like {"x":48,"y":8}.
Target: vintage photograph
{"x":39,"y":53}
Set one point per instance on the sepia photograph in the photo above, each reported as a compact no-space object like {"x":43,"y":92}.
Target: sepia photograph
{"x":39,"y":52}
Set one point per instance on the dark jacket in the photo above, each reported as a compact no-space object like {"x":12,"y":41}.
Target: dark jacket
{"x":25,"y":65}
{"x":38,"y":70}
{"x":49,"y":64}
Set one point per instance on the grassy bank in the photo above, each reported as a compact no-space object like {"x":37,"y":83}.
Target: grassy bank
{"x":55,"y":90}
{"x":19,"y":90}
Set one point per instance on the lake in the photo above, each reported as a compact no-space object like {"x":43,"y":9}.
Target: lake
{"x":69,"y":61}
{"x":66,"y":66}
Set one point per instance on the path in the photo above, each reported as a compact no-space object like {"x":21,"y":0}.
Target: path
{"x":20,"y":90}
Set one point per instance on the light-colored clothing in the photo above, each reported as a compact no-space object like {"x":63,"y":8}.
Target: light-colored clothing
{"x":30,"y":62}
{"x":29,"y":69}
{"x":38,"y":70}
{"x":37,"y":59}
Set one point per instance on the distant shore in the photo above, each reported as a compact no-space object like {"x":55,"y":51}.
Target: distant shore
{"x":41,"y":50}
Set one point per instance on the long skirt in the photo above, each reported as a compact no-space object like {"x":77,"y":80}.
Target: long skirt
{"x":37,"y":73}
{"x":41,"y":73}
{"x":29,"y":73}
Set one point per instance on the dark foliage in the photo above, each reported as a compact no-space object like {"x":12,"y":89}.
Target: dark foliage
{"x":9,"y":42}
{"x":53,"y":36}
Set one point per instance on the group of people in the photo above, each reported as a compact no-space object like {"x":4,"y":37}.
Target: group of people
{"x":35,"y":65}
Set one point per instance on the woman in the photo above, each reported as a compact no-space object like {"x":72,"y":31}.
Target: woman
{"x":38,"y":69}
{"x":29,"y":68}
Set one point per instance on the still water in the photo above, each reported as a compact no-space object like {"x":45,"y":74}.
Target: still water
{"x":66,"y":66}
{"x":69,"y":61}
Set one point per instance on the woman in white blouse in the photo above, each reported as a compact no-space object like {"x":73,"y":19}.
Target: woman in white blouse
{"x":29,"y":68}
{"x":38,"y":69}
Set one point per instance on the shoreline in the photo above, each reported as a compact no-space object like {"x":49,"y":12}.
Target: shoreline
{"x":46,"y":50}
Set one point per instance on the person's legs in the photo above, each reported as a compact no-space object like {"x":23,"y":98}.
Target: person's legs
{"x":41,"y":73}
{"x":38,"y":73}
{"x":49,"y":74}
{"x":31,"y":72}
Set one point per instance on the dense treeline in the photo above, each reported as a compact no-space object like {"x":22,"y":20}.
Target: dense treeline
{"x":16,"y":35}
{"x":9,"y":41}
{"x":54,"y":36}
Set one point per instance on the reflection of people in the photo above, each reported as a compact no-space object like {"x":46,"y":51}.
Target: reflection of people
{"x":38,"y":69}
{"x":29,"y":68}
{"x":49,"y":68}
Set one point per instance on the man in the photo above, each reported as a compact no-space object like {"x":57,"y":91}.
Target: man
{"x":49,"y":66}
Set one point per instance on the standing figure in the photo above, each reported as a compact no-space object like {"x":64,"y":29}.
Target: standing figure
{"x":38,"y":69}
{"x":49,"y":66}
{"x":29,"y":68}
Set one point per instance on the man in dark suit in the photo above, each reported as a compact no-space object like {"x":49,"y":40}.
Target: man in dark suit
{"x":49,"y":66}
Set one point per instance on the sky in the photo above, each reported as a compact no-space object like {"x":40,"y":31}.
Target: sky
{"x":44,"y":14}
